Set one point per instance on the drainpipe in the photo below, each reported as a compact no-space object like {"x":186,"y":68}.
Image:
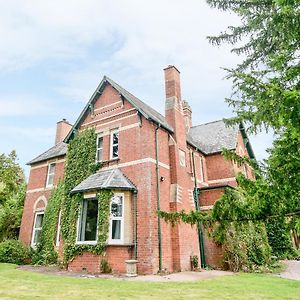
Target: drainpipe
{"x":135,"y":224}
{"x":199,"y":226}
{"x":158,"y":200}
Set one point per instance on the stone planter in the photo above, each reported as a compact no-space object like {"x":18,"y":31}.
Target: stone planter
{"x":131,"y":267}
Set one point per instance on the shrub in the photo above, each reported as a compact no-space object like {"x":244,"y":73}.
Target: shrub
{"x":105,"y":267}
{"x":13,"y":251}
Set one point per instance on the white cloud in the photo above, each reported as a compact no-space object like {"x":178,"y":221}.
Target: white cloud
{"x":24,"y":105}
{"x":131,"y":41}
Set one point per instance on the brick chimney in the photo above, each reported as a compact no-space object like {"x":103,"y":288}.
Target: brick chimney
{"x":187,"y":112}
{"x":174,"y":104}
{"x":62,"y":129}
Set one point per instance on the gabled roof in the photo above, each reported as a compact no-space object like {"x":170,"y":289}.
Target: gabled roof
{"x":145,"y":110}
{"x":59,"y":149}
{"x":212,"y":137}
{"x":109,"y":179}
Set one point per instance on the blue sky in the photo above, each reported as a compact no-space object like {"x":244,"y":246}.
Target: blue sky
{"x":54,"y":53}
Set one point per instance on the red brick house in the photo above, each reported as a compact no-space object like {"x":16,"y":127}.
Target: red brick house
{"x":148,"y":161}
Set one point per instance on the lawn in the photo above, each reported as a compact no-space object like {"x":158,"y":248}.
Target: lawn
{"x":20,"y":284}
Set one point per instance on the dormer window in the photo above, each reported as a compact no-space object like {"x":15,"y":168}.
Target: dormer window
{"x":50,"y":175}
{"x":99,"y":153}
{"x":114,"y":144}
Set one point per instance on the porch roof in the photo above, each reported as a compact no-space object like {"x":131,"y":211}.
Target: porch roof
{"x":108,"y":179}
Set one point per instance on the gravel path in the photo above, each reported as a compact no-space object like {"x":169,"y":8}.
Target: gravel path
{"x":181,"y":276}
{"x":292,"y":270}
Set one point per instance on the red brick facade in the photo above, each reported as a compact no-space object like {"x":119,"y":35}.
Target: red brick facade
{"x":137,"y":160}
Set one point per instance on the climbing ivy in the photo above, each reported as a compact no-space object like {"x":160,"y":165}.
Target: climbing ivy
{"x":80,"y":163}
{"x":46,"y":252}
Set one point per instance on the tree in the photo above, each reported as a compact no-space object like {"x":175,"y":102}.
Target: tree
{"x":266,"y":95}
{"x":12,"y":195}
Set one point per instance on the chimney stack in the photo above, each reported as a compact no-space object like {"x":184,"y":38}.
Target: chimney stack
{"x":187,"y":112}
{"x":63,"y":127}
{"x":173,"y":90}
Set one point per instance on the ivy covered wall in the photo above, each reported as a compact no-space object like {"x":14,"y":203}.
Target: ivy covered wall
{"x":80,"y":163}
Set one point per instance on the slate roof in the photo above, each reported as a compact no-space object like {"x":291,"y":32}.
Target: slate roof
{"x":212,"y":137}
{"x":109,"y":179}
{"x":147,"y":111}
{"x":59,"y":149}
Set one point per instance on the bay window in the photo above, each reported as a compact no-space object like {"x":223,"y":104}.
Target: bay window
{"x":87,"y":227}
{"x":116,"y":219}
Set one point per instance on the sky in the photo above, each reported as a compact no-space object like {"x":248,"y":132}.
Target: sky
{"x":53,"y":54}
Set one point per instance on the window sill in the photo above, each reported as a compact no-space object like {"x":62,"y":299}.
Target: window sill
{"x":107,"y":162}
{"x":92,"y":243}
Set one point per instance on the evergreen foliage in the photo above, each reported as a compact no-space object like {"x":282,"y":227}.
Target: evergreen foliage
{"x":14,"y":252}
{"x":12,"y":195}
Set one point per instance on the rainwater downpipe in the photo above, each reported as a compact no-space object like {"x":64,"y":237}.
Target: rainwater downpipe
{"x":135,"y":224}
{"x":158,"y":200}
{"x":199,"y":225}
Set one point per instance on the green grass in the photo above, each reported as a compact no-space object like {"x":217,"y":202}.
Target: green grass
{"x":20,"y":284}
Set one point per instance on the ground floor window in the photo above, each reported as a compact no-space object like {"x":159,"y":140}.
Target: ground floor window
{"x":116,"y":219}
{"x":37,"y":228}
{"x":88,"y":220}
{"x":87,"y":229}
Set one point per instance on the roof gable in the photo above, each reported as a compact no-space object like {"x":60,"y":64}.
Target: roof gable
{"x":144,"y":109}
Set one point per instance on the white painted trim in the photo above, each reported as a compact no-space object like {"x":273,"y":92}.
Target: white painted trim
{"x":48,"y":174}
{"x":111,"y":143}
{"x":58,"y":229}
{"x":206,"y":207}
{"x":33,"y":245}
{"x":41,"y":198}
{"x":136,"y":162}
{"x":40,"y":190}
{"x":106,"y":131}
{"x":221,"y":180}
{"x":108,"y":105}
{"x":121,"y":240}
{"x":109,"y":117}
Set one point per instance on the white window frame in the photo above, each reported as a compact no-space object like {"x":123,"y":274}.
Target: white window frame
{"x":78,"y":242}
{"x":112,"y":144}
{"x":99,"y":136}
{"x":57,"y":242}
{"x":111,"y":218}
{"x":50,"y":174}
{"x":42,"y":212}
{"x":201,"y":169}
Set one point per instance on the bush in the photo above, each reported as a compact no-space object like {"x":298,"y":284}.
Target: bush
{"x":13,"y":251}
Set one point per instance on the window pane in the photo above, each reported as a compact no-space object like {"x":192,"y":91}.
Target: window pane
{"x":36,"y":237}
{"x":116,"y":230}
{"x":116,"y":206}
{"x":115,"y":151}
{"x":115,"y":137}
{"x":51,"y":168}
{"x":88,"y":222}
{"x":50,"y":179}
{"x":100,"y":142}
{"x":39,"y":220}
{"x":99,"y":155}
